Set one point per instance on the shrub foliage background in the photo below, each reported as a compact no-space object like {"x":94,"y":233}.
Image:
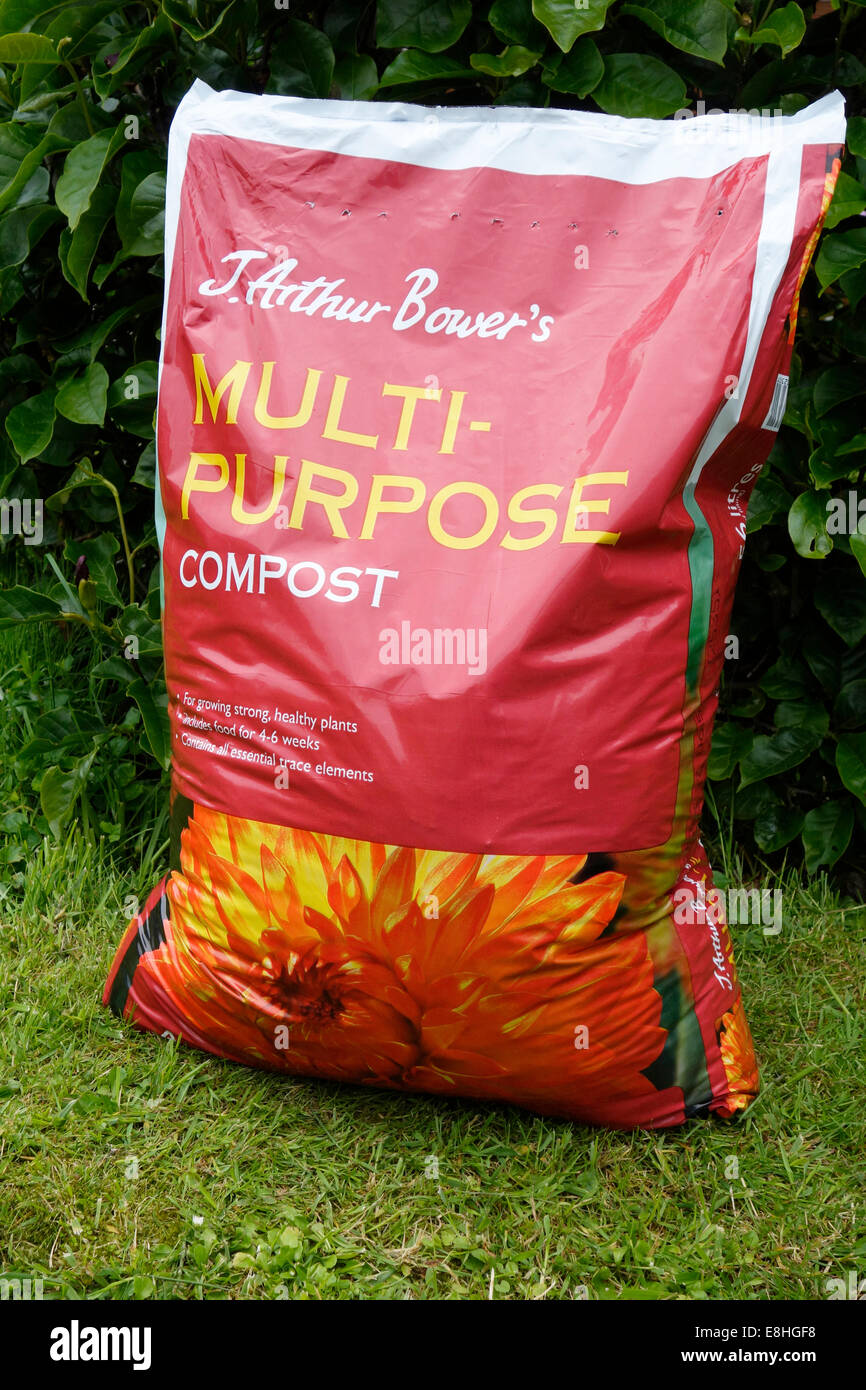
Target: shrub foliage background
{"x":86,"y":96}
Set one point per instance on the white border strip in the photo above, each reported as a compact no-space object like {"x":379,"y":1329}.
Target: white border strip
{"x":546,"y":140}
{"x":178,"y":147}
{"x":778,"y":224}
{"x":781,"y":196}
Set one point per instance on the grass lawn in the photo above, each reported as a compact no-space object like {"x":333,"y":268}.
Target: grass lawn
{"x":131,"y":1166}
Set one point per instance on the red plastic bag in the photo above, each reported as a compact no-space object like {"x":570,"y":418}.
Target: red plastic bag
{"x":459,"y":415}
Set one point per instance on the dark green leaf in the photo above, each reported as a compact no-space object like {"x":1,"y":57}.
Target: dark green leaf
{"x":89,"y":342}
{"x":83,"y":170}
{"x":82,"y":476}
{"x":851,"y":763}
{"x":858,"y":550}
{"x":80,"y":24}
{"x":857,"y":445}
{"x":413,"y":66}
{"x":636,"y":84}
{"x":840,"y":425}
{"x":853,"y":286}
{"x":827,"y":831}
{"x":78,"y":248}
{"x":853,"y":664}
{"x":776,"y":826}
{"x":837,"y":384}
{"x":140,"y":214}
{"x":565,"y":21}
{"x":849,"y":711}
{"x":731,"y":742}
{"x":821,"y":652}
{"x":59,"y":791}
{"x":21,"y":153}
{"x":768,"y":500}
{"x":30,"y":425}
{"x":784,"y":27}
{"x":62,"y":731}
{"x":356,"y":76}
{"x":748,"y":705}
{"x":807,"y":526}
{"x":21,"y":229}
{"x":840,"y":598}
{"x":855,"y":135}
{"x":184,"y":17}
{"x":785,"y":679}
{"x":83,"y":399}
{"x":802,"y":714}
{"x":849,"y":199}
{"x":775,"y":753}
{"x":113,"y":66}
{"x":431,"y":25}
{"x":134,"y":622}
{"x":142,"y":189}
{"x":576,"y":72}
{"x":27,"y":48}
{"x":511,"y":62}
{"x":302,"y":61}
{"x":35,"y":189}
{"x":759,"y":799}
{"x":17,"y":370}
{"x":147,"y":216}
{"x":341,"y":21}
{"x":842,"y":252}
{"x":826,"y":467}
{"x":513,"y":22}
{"x":21,"y":150}
{"x":21,"y":605}
{"x":140,"y":380}
{"x":154,"y":714}
{"x":145,"y":469}
{"x":699,"y":27}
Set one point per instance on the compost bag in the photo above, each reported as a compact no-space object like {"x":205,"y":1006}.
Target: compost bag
{"x":459,"y":413}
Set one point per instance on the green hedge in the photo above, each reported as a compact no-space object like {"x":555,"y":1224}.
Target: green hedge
{"x":87,"y":91}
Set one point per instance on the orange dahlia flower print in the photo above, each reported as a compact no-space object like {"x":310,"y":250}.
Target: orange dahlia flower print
{"x":462,"y":974}
{"x":738,"y":1056}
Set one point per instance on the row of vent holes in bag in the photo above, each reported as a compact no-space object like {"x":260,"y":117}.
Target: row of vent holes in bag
{"x":347,"y":212}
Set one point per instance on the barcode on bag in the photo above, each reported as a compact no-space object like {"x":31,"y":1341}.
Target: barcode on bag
{"x":776,"y":413}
